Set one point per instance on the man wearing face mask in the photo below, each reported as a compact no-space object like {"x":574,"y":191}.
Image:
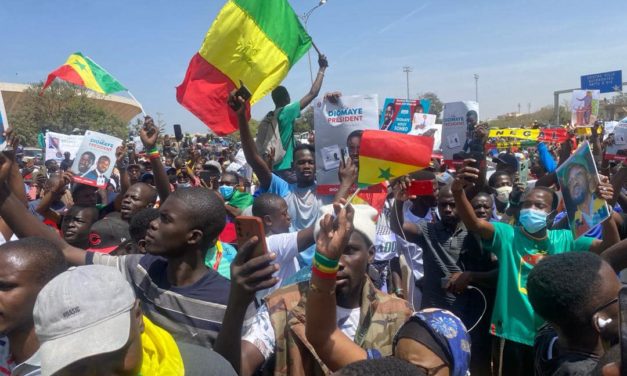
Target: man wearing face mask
{"x":519,"y":248}
{"x":502,"y":183}
{"x":235,"y":201}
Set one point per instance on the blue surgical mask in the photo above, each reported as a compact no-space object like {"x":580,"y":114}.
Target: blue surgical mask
{"x":226,"y":191}
{"x":533,"y":220}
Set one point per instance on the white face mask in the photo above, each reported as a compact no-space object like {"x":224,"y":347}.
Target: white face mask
{"x":502,"y":194}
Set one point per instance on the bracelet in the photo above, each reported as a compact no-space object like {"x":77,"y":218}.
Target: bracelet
{"x":321,"y":274}
{"x":399,"y":291}
{"x":317,"y":289}
{"x":325,"y":261}
{"x":153,"y":153}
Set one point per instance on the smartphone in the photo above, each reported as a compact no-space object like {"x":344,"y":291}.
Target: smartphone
{"x":178,"y":133}
{"x":523,"y":171}
{"x":622,"y":320}
{"x":421,"y":188}
{"x":245,"y":228}
{"x":345,"y":155}
{"x":241,"y":92}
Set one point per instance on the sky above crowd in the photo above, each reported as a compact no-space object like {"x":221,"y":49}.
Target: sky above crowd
{"x":521,"y":50}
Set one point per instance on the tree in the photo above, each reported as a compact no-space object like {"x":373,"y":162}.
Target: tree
{"x":306,"y":121}
{"x":436,"y":104}
{"x":61,"y":108}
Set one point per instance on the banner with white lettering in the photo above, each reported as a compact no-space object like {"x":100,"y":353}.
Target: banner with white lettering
{"x":58,"y":144}
{"x":95,"y":159}
{"x":334,"y":123}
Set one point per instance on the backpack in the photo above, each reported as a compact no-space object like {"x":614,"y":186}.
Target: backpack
{"x":268,"y":137}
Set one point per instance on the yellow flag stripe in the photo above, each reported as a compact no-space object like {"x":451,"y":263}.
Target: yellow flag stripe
{"x":237,"y":47}
{"x":374,"y":171}
{"x":81,"y":66}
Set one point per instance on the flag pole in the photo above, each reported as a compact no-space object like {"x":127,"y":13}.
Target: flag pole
{"x":353,"y":195}
{"x":135,"y":99}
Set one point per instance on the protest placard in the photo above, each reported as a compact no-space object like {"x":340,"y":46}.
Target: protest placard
{"x":617,"y":149}
{"x":58,"y":143}
{"x":95,"y":159}
{"x":333,"y":124}
{"x":460,"y":119}
{"x":578,"y":178}
{"x":554,"y":135}
{"x":584,"y":107}
{"x":398,"y":114}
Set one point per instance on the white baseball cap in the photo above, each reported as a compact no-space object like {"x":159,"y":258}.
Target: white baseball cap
{"x":82,"y":312}
{"x":364,"y":220}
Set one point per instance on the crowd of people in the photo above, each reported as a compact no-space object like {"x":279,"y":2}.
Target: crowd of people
{"x":480,"y":276}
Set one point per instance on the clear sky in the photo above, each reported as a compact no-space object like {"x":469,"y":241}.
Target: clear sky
{"x":522,"y":50}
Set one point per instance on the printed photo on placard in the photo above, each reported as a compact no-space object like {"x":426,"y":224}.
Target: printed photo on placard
{"x":578,"y":178}
{"x":584,"y":107}
{"x":57,"y":144}
{"x":95,"y":159}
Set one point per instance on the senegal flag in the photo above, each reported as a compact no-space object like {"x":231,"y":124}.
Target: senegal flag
{"x":255,"y":41}
{"x":81,"y":70}
{"x":385,"y":155}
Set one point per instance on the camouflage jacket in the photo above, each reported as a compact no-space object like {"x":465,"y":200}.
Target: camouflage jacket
{"x":380,"y":318}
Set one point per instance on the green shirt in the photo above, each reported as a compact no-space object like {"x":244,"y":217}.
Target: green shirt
{"x":287,"y":116}
{"x":512,"y":316}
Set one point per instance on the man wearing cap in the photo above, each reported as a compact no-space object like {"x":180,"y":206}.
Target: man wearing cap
{"x":506,"y":162}
{"x":278,"y":329}
{"x":89,"y":322}
{"x":107,"y":235}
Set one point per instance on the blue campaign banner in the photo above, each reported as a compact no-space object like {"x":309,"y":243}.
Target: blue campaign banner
{"x":398,"y":114}
{"x":606,"y":82}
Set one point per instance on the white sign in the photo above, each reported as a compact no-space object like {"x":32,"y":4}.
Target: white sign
{"x":333,"y":124}
{"x":95,"y":159}
{"x":460,"y":119}
{"x":58,"y":143}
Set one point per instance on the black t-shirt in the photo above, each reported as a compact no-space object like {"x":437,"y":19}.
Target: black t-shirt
{"x":550,"y":361}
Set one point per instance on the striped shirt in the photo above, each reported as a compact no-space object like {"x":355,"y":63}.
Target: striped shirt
{"x":8,"y":367}
{"x":191,"y":313}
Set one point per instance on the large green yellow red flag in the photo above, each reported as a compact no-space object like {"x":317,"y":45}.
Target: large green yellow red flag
{"x":255,"y":41}
{"x":385,"y":155}
{"x":81,"y":70}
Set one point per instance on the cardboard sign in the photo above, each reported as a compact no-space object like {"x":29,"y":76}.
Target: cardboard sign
{"x":95,"y":159}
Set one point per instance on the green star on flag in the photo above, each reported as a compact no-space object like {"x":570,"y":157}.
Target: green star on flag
{"x":386,"y":174}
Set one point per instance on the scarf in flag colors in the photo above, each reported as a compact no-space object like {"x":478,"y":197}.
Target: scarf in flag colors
{"x":254,"y":41}
{"x":81,"y":70}
{"x":387,"y":155}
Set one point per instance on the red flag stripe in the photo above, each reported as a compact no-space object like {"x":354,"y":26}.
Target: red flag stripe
{"x":396,"y":147}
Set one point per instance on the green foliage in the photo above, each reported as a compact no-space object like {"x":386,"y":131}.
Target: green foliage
{"x":254,"y":126}
{"x":306,"y":121}
{"x":543,"y":116}
{"x":436,"y":104}
{"x":61,"y":108}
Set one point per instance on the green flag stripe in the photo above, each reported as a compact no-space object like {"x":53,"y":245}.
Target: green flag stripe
{"x":105,"y":80}
{"x":279,"y":22}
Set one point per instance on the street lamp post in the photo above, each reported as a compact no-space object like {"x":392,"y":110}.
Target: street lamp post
{"x":407,"y":70}
{"x":476,"y":88}
{"x":305,"y":18}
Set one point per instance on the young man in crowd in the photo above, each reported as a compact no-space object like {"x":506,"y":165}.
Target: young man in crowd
{"x":177,"y":290}
{"x":452,"y":260}
{"x":286,"y":113}
{"x":77,"y":223}
{"x":272,"y":209}
{"x":89,"y":322}
{"x":577,"y":293}
{"x":26,"y":265}
{"x":137,"y":197}
{"x":234,"y":200}
{"x":278,"y":330}
{"x":519,"y":248}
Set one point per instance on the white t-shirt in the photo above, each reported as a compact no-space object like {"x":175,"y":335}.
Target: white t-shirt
{"x":286,"y":248}
{"x":260,"y":333}
{"x":416,"y":257}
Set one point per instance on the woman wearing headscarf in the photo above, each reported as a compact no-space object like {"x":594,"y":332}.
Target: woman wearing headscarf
{"x":436,"y":341}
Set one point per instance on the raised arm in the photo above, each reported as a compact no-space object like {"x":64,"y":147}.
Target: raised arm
{"x":149,"y":135}
{"x":248,"y":275}
{"x":317,"y":85}
{"x":334,"y":348}
{"x":466,"y":176}
{"x":256,"y":162}
{"x":24,"y":224}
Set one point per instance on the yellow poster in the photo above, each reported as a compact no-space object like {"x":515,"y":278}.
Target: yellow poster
{"x":522,"y":134}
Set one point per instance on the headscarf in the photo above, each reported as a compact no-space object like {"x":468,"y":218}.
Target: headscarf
{"x":443,"y":333}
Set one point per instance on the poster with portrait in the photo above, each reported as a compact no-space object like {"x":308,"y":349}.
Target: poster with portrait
{"x":458,"y":124}
{"x":617,"y":142}
{"x":584,"y":107}
{"x":578,"y":179}
{"x":95,"y":159}
{"x":58,"y":144}
{"x":3,"y":123}
{"x":334,"y":123}
{"x":398,"y":114}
